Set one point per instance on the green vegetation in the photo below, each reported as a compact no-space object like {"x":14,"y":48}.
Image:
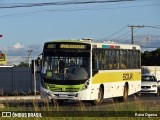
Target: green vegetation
{"x":23,"y":64}
{"x":84,"y":108}
{"x":151,"y":58}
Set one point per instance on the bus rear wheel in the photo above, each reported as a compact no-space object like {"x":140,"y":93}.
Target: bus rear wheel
{"x":100,"y":98}
{"x":124,"y":97}
{"x":125,"y":94}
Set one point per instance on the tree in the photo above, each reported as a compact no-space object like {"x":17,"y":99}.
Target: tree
{"x":23,"y":64}
{"x":151,"y":58}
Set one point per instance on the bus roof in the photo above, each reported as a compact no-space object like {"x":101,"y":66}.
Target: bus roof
{"x":99,"y":44}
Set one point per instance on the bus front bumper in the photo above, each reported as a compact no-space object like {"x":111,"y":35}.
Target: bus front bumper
{"x":58,"y":95}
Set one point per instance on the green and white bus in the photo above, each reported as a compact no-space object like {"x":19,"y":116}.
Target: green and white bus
{"x":90,"y":71}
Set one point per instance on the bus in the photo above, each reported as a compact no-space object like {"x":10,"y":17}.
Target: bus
{"x":87,"y":70}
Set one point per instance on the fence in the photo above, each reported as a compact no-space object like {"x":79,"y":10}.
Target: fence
{"x":18,"y":80}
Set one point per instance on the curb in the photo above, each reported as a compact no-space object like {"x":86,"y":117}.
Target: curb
{"x":10,"y":98}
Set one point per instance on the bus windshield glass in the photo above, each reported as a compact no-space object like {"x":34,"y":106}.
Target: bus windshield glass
{"x":66,"y":65}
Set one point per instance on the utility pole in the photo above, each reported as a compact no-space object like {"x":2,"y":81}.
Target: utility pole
{"x":132,"y":27}
{"x":29,"y":54}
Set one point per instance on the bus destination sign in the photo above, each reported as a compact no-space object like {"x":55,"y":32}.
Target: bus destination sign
{"x":72,"y":46}
{"x":67,"y":46}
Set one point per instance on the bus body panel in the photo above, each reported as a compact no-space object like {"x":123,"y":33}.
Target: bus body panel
{"x":112,"y":89}
{"x":112,"y":79}
{"x":116,"y":76}
{"x":81,"y":95}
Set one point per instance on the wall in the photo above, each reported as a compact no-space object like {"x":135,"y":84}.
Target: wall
{"x":18,"y":80}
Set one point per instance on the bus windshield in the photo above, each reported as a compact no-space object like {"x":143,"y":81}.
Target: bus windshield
{"x":66,"y":65}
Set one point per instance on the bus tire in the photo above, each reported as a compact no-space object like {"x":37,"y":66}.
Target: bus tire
{"x":57,"y":102}
{"x":124,"y":98}
{"x":100,"y":98}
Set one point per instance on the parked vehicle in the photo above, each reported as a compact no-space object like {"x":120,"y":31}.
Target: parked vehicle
{"x":150,"y":84}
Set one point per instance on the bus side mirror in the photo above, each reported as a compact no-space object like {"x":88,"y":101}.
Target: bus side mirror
{"x":38,"y":62}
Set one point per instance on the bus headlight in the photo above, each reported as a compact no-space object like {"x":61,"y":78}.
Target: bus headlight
{"x":85,"y":85}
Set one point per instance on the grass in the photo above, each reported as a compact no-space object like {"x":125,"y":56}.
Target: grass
{"x":45,"y":105}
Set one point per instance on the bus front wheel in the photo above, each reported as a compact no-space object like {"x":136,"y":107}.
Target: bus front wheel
{"x":100,"y":98}
{"x":57,"y":102}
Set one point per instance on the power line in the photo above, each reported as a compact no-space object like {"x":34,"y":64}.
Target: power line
{"x":157,"y":26}
{"x":139,"y":26}
{"x":20,"y":5}
{"x":128,"y":35}
{"x":125,"y":35}
{"x":114,"y":33}
{"x":132,"y":27}
{"x":19,"y":14}
{"x":122,"y":36}
{"x":70,"y":10}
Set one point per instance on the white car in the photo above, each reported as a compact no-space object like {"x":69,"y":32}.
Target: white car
{"x":150,"y":84}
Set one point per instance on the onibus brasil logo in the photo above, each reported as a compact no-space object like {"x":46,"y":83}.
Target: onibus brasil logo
{"x":21,"y":114}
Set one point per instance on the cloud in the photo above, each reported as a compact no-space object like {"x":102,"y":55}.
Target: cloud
{"x":18,"y":45}
{"x":15,"y":60}
{"x":18,"y":53}
{"x":21,"y":50}
{"x":148,"y":42}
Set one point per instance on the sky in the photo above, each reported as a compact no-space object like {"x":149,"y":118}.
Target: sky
{"x":27,"y":28}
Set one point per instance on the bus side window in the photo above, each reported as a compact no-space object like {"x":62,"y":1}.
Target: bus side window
{"x":110,"y":66}
{"x":94,"y":62}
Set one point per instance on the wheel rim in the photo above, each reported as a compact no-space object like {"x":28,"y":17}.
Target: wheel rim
{"x":99,"y":95}
{"x":125,"y":96}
